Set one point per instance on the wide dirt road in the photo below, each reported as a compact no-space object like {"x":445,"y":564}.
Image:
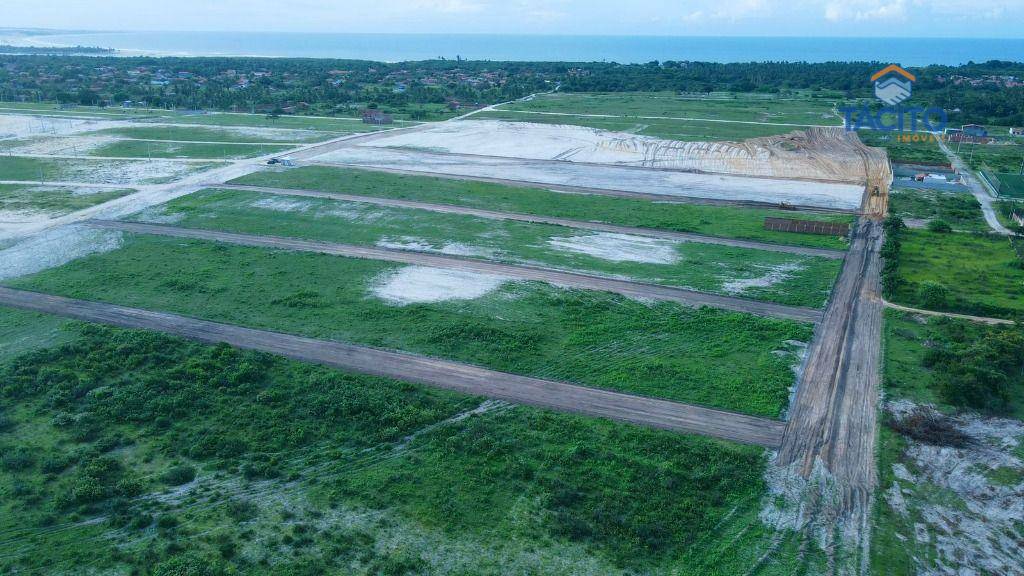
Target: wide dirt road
{"x":833,"y":417}
{"x":569,"y":223}
{"x":556,"y":277}
{"x":423,"y":370}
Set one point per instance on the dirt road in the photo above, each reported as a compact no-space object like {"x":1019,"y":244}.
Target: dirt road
{"x":833,"y":418}
{"x":423,"y":370}
{"x":496,"y":215}
{"x":520,"y":272}
{"x":979,"y":319}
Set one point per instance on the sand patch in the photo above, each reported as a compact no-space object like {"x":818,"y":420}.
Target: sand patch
{"x":773,"y":276}
{"x":420,"y":284}
{"x":283,"y":204}
{"x":125,"y":171}
{"x":620,"y":248}
{"x":16,"y":126}
{"x":74,"y":146}
{"x":54,"y":248}
{"x":974,"y":527}
{"x":415,"y":244}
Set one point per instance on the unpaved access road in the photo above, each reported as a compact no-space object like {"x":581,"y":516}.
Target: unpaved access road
{"x":833,"y":417}
{"x":434,"y":372}
{"x":580,"y":224}
{"x":520,"y":272}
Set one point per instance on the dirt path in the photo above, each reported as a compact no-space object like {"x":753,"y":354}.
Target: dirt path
{"x":434,"y":372}
{"x":520,"y":272}
{"x":664,"y":198}
{"x":496,"y":215}
{"x":980,"y":319}
{"x":977,"y":189}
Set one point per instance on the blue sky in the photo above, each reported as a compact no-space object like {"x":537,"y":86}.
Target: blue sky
{"x":918,"y":18}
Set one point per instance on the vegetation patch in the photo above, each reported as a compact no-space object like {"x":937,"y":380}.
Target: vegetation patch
{"x":149,"y":149}
{"x":134,"y":451}
{"x":730,"y":360}
{"x":960,"y":210}
{"x":977,"y":274}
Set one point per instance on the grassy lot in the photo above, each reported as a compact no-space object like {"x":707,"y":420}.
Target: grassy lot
{"x":998,"y":158}
{"x":22,"y":332}
{"x":927,"y":152}
{"x":333,"y":125}
{"x":775,"y":276}
{"x":98,"y":171}
{"x":982,"y":274}
{"x":147,"y":149}
{"x":208,"y":134}
{"x":740,"y":107}
{"x":960,"y":210}
{"x":713,"y":220}
{"x":705,"y":356}
{"x":53,"y":201}
{"x":306,"y":470}
{"x":685,"y":130}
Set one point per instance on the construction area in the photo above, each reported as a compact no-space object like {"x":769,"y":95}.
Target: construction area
{"x":634,"y":289}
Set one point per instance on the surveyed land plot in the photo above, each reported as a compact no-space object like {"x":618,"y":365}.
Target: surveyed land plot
{"x":99,"y":171}
{"x":723,"y":221}
{"x":396,"y":451}
{"x":721,"y":359}
{"x":53,"y":201}
{"x":239,"y":135}
{"x":778,"y":277}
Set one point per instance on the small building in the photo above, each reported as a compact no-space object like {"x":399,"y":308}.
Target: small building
{"x":1016,"y":131}
{"x":975,"y":131}
{"x":376,"y":117}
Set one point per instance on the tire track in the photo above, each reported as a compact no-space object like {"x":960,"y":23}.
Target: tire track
{"x":567,"y":222}
{"x":519,"y":272}
{"x":433,"y":372}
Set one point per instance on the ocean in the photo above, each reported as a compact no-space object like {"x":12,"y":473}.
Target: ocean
{"x":622,"y":49}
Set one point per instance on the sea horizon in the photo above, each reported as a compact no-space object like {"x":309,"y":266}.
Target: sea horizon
{"x":398,"y":47}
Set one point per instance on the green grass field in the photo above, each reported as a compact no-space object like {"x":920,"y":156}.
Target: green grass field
{"x":739,"y":107}
{"x":211,"y":134}
{"x":998,"y":158}
{"x":775,"y":276}
{"x":982,"y":273}
{"x":147,"y":149}
{"x":379,"y":478}
{"x":53,"y":201}
{"x":704,"y":356}
{"x":126,"y":172}
{"x":927,"y":152}
{"x":960,"y":210}
{"x":712,"y":220}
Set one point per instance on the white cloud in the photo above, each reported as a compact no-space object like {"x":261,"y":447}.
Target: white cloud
{"x":866,"y":10}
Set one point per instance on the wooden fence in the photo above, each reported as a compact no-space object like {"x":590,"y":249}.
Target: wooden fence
{"x":807,"y":226}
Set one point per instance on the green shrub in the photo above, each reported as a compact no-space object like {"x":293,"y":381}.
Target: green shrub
{"x":17,"y":459}
{"x":939,"y":226}
{"x":178,"y":475}
{"x":934,"y":296}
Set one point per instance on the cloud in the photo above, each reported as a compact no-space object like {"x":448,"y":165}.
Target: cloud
{"x":445,"y":6}
{"x":729,"y":11}
{"x":866,"y":10}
